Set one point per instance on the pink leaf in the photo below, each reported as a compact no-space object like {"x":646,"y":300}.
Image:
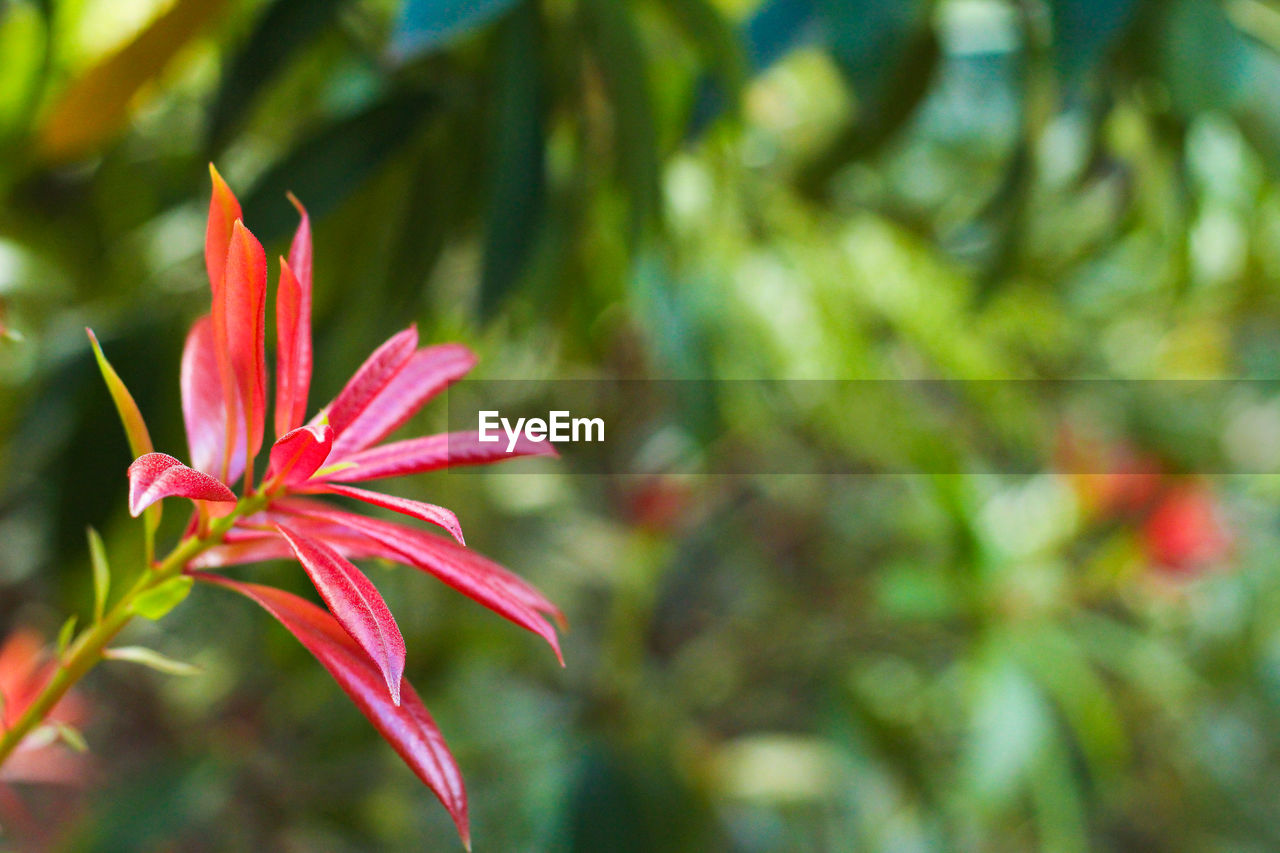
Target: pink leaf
{"x":429,"y":513}
{"x":203,"y":406}
{"x":426,"y":374}
{"x":407,"y":727}
{"x":434,"y":452}
{"x":293,"y":329}
{"x":355,"y":603}
{"x":293,"y":351}
{"x":298,"y":454}
{"x":372,"y":376}
{"x":244,"y":296}
{"x":157,"y":475}
{"x":473,"y":575}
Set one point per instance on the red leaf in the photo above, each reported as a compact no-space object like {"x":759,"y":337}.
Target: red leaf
{"x":224,"y":210}
{"x":475,"y":576}
{"x":298,"y":454}
{"x":429,"y":513}
{"x":158,"y":475}
{"x":203,"y":406}
{"x":407,"y":727}
{"x":356,"y":604}
{"x":293,"y":329}
{"x":426,"y":374}
{"x":372,"y":376}
{"x":244,"y":295}
{"x":433,"y":452}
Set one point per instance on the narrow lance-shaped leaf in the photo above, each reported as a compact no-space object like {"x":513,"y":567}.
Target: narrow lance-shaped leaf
{"x":423,"y":376}
{"x":408,"y":727}
{"x":204,"y":407}
{"x":430,"y":513}
{"x":244,"y":293}
{"x":293,"y":329}
{"x":135,"y":428}
{"x":431,"y":453}
{"x":356,"y":604}
{"x":156,"y":476}
{"x":65,"y":634}
{"x":372,"y":376}
{"x":156,"y":602}
{"x":151,"y":659}
{"x":224,"y":210}
{"x":101,"y":574}
{"x":470,"y":573}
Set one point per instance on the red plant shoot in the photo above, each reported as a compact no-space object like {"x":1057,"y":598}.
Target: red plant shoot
{"x":224,"y":402}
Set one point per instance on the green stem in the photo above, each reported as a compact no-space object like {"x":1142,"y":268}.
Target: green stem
{"x":86,"y":651}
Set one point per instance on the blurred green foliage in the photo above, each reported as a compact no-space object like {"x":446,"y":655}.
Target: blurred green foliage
{"x":710,"y":189}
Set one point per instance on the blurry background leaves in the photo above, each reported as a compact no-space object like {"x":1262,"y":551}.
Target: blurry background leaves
{"x":711,"y":190}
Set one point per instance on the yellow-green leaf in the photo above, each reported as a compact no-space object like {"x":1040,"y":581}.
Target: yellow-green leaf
{"x":71,"y":737}
{"x":153,"y":659}
{"x":66,"y":633}
{"x":95,"y":107}
{"x":135,"y":428}
{"x":156,"y":602}
{"x":101,"y":574}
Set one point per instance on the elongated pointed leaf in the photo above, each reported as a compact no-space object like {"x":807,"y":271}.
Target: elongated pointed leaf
{"x":350,"y":545}
{"x":66,"y":632}
{"x":224,"y":210}
{"x":293,"y":330}
{"x":101,"y":574}
{"x":298,"y":454}
{"x":377,"y":370}
{"x":407,"y":727}
{"x":156,"y":602}
{"x":151,"y":659}
{"x":355,"y":603}
{"x":135,"y":428}
{"x":426,"y":374}
{"x":204,"y":411}
{"x":158,"y":475}
{"x":429,"y":513}
{"x":475,"y":576}
{"x":431,"y":453}
{"x":244,"y":294}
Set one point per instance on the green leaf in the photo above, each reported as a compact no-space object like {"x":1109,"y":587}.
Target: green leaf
{"x":101,"y":574}
{"x":71,"y":736}
{"x":135,"y":428}
{"x":150,"y":658}
{"x":66,"y":633}
{"x":517,"y":192}
{"x":425,"y":26}
{"x":283,"y":29}
{"x":156,"y":602}
{"x":327,"y":167}
{"x":623,"y":66}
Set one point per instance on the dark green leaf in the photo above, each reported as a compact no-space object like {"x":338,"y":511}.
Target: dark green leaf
{"x":517,"y":192}
{"x":285,"y":27}
{"x":326,"y":167}
{"x":621,"y":58}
